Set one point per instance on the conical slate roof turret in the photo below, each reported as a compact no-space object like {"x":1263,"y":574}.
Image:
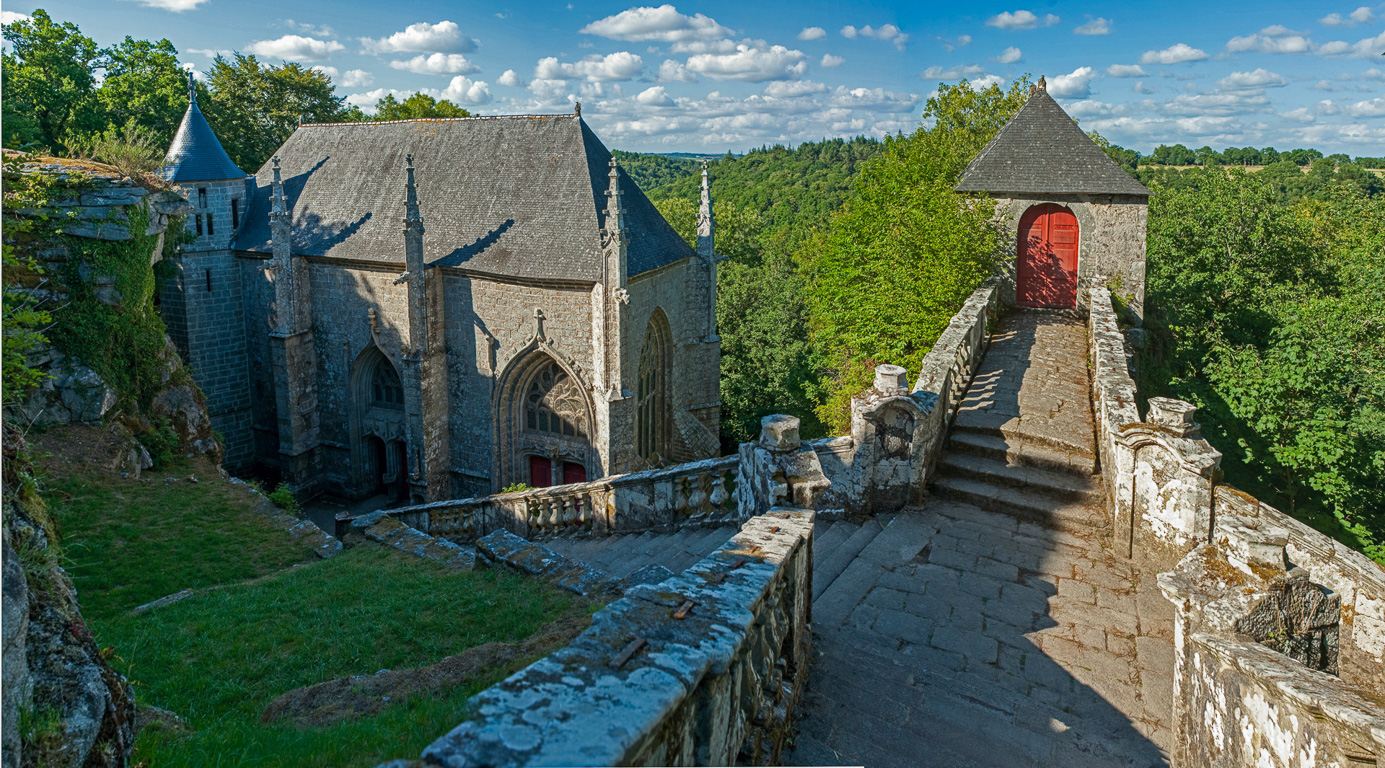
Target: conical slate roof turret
{"x":196,"y":154}
{"x":1042,"y":151}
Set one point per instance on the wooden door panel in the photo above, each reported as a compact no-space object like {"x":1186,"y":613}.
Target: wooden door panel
{"x":1046,"y":270}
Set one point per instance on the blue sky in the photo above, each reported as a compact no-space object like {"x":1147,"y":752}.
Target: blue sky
{"x":717,"y":76}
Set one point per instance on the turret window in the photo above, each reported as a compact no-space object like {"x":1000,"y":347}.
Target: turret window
{"x":199,"y":225}
{"x":202,"y":197}
{"x":235,"y":212}
{"x":209,"y":224}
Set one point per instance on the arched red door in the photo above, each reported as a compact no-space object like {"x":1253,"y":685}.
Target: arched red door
{"x":1046,"y":275}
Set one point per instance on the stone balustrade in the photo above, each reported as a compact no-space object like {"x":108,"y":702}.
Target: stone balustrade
{"x":704,"y":668}
{"x":695,"y":494}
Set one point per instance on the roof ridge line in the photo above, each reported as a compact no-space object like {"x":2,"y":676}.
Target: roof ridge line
{"x":436,"y":120}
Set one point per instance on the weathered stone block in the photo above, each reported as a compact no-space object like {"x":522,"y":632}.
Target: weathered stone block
{"x":779,"y":433}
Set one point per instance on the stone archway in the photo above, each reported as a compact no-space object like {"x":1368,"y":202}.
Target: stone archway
{"x":379,"y":453}
{"x":544,"y":422}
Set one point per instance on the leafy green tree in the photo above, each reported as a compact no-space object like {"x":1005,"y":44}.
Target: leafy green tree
{"x":1269,"y":314}
{"x":416,"y":106}
{"x":901,"y":255}
{"x":1175,"y":155}
{"x":254,"y":107}
{"x":650,"y":171}
{"x":144,"y":83}
{"x":49,"y":84}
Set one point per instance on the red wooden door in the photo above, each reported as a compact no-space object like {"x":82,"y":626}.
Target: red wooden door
{"x":1046,"y":275}
{"x":574,"y":473}
{"x":540,"y":471}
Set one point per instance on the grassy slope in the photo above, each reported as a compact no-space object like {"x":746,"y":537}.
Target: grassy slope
{"x":219,"y":657}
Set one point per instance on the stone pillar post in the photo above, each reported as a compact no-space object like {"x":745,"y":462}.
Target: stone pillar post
{"x":425,"y":364}
{"x":706,"y":250}
{"x":293,"y":354}
{"x":615,"y":415}
{"x":778,"y":470}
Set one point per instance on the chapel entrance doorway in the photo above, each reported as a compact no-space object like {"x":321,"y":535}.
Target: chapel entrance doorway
{"x":1046,"y":272}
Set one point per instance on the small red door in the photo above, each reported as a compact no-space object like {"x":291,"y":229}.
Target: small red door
{"x":1046,"y":275}
{"x":574,"y":473}
{"x":540,"y":471}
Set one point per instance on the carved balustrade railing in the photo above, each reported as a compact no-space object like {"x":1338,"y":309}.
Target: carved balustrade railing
{"x":687,"y":495}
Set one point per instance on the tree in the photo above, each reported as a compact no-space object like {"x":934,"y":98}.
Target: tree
{"x":253,"y":107}
{"x":901,"y":255}
{"x":49,"y":84}
{"x":416,"y":106}
{"x":144,"y":83}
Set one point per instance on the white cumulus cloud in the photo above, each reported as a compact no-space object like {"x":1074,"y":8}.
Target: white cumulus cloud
{"x":663,"y":23}
{"x":794,"y":89}
{"x":1368,"y":48}
{"x":1174,"y":54}
{"x":1126,"y":70}
{"x":1021,"y":20}
{"x":357,"y":78}
{"x":1362,"y":15}
{"x":951,"y":45}
{"x":443,"y":37}
{"x":828,"y":60}
{"x":1077,"y":84}
{"x":1260,"y":78}
{"x":887,"y":32}
{"x":331,"y":72}
{"x":812,"y":33}
{"x":1262,"y":43}
{"x":1009,"y":55}
{"x":11,"y":17}
{"x":295,"y":47}
{"x":654,"y":96}
{"x":464,"y":90}
{"x":596,"y":68}
{"x":437,"y":64}
{"x":510,"y":78}
{"x":1097,"y":26}
{"x":674,"y":72}
{"x":751,"y":63}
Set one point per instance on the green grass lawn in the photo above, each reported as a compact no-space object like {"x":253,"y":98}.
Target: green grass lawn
{"x":218,"y":658}
{"x":127,"y":542}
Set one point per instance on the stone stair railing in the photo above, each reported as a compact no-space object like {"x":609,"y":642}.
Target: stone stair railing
{"x":698,"y":493}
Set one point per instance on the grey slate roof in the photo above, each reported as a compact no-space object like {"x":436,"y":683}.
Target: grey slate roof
{"x":196,"y":154}
{"x":517,"y":196}
{"x":1042,"y":151}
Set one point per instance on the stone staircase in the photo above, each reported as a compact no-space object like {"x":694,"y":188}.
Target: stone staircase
{"x":622,"y":555}
{"x":1036,"y":483}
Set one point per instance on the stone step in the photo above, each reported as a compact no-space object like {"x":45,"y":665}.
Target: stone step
{"x":1060,"y":485}
{"x":828,"y":535}
{"x":830,"y":567}
{"x":1023,"y":504}
{"x":996,"y":445}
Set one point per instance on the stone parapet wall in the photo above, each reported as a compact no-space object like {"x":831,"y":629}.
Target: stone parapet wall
{"x":701,"y":669}
{"x":1279,"y":653}
{"x":693,"y":494}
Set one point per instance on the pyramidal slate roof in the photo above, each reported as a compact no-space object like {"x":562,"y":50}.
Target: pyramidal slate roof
{"x":196,"y":154}
{"x":1042,"y":151}
{"x":521,"y":196}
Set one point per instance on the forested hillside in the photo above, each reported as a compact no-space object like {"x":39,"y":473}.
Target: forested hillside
{"x":650,"y":171}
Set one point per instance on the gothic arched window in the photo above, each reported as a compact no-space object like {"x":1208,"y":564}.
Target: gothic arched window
{"x":651,"y":393}
{"x":385,"y":389}
{"x":553,"y":404}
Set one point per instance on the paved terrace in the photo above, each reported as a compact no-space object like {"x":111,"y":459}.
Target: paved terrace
{"x":992,"y":626}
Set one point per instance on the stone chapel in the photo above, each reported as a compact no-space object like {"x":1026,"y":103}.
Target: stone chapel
{"x":440,"y":308}
{"x":1076,"y":218}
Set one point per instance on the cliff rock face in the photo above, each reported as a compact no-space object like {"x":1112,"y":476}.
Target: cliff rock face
{"x":63,"y":704}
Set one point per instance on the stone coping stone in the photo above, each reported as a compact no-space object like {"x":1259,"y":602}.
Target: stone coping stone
{"x":578,"y":706}
{"x":388,"y":531}
{"x":520,"y":554}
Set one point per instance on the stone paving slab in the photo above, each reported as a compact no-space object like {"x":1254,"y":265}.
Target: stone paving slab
{"x":1032,"y":384}
{"x":937,"y":646}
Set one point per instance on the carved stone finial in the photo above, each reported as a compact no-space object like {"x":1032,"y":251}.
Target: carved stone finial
{"x":192,"y":87}
{"x":277,"y":206}
{"x":410,"y":191}
{"x":577,"y":108}
{"x":1043,"y":84}
{"x":538,"y":324}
